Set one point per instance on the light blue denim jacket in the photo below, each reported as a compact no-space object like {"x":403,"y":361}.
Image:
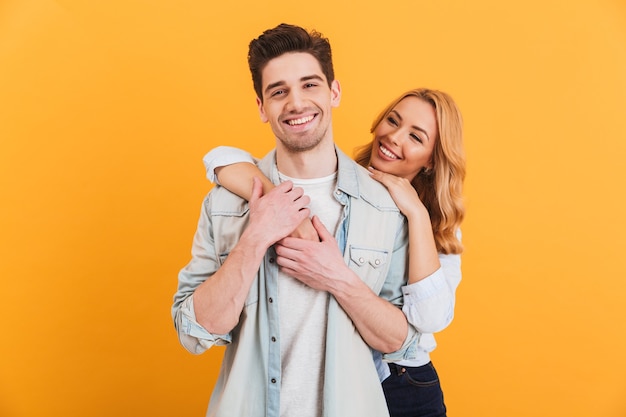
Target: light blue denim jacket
{"x":373,"y":237}
{"x":428,"y":303}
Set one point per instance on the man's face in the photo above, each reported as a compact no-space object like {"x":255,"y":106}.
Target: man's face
{"x":297,"y":101}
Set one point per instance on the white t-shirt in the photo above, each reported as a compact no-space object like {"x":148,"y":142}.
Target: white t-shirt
{"x":303,"y":314}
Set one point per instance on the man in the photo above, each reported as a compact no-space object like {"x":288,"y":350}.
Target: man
{"x":297,"y":316}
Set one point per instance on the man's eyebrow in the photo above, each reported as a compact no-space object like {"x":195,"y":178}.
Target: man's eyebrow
{"x":312,"y":77}
{"x":414,"y":127}
{"x":307,"y":78}
{"x":274,"y":85}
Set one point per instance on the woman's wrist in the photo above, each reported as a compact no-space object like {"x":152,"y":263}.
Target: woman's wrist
{"x":418,"y":214}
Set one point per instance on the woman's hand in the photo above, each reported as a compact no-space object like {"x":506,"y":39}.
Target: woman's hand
{"x":306,"y":231}
{"x":423,"y":256}
{"x":401,"y":190}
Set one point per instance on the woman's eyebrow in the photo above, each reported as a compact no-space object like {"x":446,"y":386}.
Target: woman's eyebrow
{"x":413,"y":127}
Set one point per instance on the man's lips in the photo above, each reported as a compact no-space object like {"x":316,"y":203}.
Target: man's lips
{"x":300,"y":121}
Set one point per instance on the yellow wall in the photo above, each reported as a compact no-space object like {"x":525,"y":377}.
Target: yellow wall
{"x":107,"y":107}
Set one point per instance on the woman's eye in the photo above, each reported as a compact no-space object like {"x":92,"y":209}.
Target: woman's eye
{"x":416,"y":138}
{"x":392,"y":121}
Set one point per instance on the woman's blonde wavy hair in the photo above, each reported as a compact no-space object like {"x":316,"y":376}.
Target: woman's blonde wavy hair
{"x":441,"y":188}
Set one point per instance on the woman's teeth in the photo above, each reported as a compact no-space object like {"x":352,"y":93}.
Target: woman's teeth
{"x":387,"y":152}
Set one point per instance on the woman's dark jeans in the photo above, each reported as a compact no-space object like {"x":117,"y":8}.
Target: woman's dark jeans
{"x":414,"y":392}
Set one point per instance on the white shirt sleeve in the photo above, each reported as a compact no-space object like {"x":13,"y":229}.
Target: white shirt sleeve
{"x":222,"y":156}
{"x":429,"y":303}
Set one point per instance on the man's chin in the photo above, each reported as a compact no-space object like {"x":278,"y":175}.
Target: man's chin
{"x":298,"y":145}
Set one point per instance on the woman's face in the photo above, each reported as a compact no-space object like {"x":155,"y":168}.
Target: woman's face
{"x":405,"y":139}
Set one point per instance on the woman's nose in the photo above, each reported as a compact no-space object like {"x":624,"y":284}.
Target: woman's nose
{"x":395,"y":137}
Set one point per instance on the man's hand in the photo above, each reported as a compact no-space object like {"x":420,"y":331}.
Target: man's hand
{"x":316,"y":264}
{"x":320,"y":265}
{"x":277,"y":213}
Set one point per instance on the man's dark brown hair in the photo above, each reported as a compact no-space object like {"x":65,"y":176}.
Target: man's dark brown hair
{"x":283,"y":39}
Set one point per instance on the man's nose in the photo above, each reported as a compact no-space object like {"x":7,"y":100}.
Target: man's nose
{"x":295,"y":101}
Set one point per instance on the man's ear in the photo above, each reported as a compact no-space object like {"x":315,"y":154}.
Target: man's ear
{"x":335,"y":93}
{"x":259,"y":104}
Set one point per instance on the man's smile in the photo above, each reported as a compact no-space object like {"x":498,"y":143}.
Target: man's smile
{"x":300,"y":121}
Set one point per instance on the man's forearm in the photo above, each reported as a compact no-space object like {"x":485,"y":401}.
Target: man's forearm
{"x":382,"y":325}
{"x":320,"y":265}
{"x":219,"y":300}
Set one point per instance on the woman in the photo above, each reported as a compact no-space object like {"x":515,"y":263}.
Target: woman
{"x":417,"y":153}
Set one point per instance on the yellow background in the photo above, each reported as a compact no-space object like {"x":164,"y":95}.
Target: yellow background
{"x":107,"y":107}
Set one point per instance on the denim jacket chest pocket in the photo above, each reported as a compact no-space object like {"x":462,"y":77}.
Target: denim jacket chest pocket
{"x":370,"y":264}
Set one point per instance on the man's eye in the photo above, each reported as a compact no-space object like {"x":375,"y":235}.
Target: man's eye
{"x":309,"y":85}
{"x":278,"y":93}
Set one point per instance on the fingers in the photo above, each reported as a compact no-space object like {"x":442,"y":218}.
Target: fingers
{"x":285,"y":186}
{"x":388,"y":180}
{"x":322,"y":231}
{"x":287,"y":257}
{"x":295,"y":193}
{"x":377,"y":175}
{"x":257,"y":189}
{"x":373,"y":171}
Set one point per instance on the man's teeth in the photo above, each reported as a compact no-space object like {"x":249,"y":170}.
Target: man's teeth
{"x":387,"y":152}
{"x":300,"y":121}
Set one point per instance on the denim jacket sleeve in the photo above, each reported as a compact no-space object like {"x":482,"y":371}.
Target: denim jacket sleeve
{"x":204,"y":263}
{"x":392,"y":291}
{"x":195,"y":338}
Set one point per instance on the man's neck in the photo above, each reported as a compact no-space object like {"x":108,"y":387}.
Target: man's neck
{"x":315,"y":163}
